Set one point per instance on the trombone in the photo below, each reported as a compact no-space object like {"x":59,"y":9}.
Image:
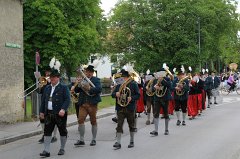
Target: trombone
{"x":42,"y":82}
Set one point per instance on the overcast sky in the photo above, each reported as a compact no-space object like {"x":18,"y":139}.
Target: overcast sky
{"x":107,"y":5}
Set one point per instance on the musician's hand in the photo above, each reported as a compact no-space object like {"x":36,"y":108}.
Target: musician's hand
{"x":129,"y":99}
{"x":118,"y":94}
{"x":177,"y":88}
{"x":157,"y":87}
{"x":180,"y":86}
{"x":160,"y":78}
{"x":72,"y":89}
{"x":61,"y":113}
{"x":41,"y":115}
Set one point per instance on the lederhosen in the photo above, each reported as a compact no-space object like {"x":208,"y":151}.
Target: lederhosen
{"x":148,"y":99}
{"x":128,"y":111}
{"x":51,"y":116}
{"x":181,"y":101}
{"x":162,"y":102}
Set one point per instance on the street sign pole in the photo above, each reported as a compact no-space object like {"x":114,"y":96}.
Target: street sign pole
{"x":37,"y":58}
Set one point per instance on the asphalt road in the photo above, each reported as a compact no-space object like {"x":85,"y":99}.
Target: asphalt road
{"x":213,"y":135}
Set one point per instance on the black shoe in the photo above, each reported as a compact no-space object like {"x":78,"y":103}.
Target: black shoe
{"x":131,"y":145}
{"x":178,"y":122}
{"x":148,"y":122}
{"x":93,"y":143}
{"x":166,"y":132}
{"x":45,"y":154}
{"x":79,"y":143}
{"x":41,"y":140}
{"x":183,"y":123}
{"x":210,"y":102}
{"x":61,"y":152}
{"x":208,"y":106}
{"x":54,"y":139}
{"x":152,"y":122}
{"x":114,"y":119}
{"x":215,"y":103}
{"x":154,"y":133}
{"x":117,"y":145}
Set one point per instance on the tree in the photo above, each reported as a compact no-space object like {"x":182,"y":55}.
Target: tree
{"x":152,"y":32}
{"x":70,"y":30}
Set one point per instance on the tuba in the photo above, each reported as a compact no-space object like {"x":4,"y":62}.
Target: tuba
{"x":181,"y":82}
{"x":85,"y":83}
{"x":149,"y":86}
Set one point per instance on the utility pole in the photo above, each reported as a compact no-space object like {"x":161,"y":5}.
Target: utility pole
{"x":199,"y":41}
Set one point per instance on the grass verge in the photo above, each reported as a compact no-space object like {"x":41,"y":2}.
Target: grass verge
{"x":107,"y":101}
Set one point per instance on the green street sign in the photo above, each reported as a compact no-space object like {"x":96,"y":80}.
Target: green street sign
{"x":12,"y":45}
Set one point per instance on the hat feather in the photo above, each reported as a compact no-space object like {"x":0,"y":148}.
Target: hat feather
{"x":190,"y":68}
{"x":164,"y":65}
{"x":52,"y":62}
{"x":174,"y":70}
{"x":57,"y":65}
{"x":182,"y":69}
{"x":148,"y":72}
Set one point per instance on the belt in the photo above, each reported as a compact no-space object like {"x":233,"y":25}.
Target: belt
{"x":50,"y":111}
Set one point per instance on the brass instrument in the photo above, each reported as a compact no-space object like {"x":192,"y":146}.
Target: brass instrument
{"x":74,"y":96}
{"x":85,"y":83}
{"x":125,"y":92}
{"x":42,"y":81}
{"x":182,"y":83}
{"x":135,"y":76}
{"x":149,"y":86}
{"x":169,"y":73}
{"x":233,"y":66}
{"x":162,"y":91}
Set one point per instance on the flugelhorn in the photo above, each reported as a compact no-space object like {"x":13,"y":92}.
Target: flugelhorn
{"x":42,"y":82}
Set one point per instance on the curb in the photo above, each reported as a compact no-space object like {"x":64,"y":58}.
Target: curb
{"x":38,"y":132}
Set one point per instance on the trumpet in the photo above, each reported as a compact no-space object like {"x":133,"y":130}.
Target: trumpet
{"x":42,"y":82}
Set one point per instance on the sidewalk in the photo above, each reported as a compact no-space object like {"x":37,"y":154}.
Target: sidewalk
{"x":13,"y":132}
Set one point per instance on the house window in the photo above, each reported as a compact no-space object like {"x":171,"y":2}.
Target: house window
{"x":93,"y":58}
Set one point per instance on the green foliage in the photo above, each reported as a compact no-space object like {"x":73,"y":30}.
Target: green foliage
{"x":70,"y":30}
{"x":152,"y":32}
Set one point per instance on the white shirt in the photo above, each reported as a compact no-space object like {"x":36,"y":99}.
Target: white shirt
{"x":50,"y":102}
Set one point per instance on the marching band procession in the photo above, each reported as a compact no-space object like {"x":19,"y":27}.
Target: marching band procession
{"x":159,"y":94}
